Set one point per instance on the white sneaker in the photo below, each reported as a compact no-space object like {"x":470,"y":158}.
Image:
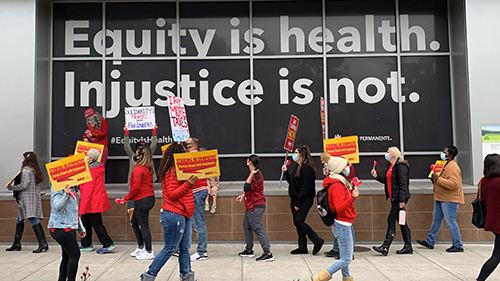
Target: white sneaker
{"x":207,"y":206}
{"x":137,"y":252}
{"x":145,"y":255}
{"x":198,"y":257}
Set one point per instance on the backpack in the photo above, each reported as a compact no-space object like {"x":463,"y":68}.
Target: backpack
{"x":326,"y":215}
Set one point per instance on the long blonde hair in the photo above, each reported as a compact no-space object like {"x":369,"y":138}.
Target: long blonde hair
{"x":396,"y":152}
{"x":146,"y":159}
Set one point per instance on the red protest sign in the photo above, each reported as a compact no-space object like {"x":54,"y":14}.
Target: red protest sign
{"x":322,"y":106}
{"x":293,"y":126}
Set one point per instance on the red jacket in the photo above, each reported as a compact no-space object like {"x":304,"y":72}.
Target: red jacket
{"x":177,"y":195}
{"x":99,"y":136}
{"x":340,"y":199}
{"x":94,"y":198}
{"x":141,"y":184}
{"x":490,"y":188}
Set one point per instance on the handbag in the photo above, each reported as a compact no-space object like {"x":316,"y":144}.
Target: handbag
{"x":479,"y":209}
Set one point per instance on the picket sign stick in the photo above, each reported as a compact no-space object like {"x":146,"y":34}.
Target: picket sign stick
{"x":284,"y":163}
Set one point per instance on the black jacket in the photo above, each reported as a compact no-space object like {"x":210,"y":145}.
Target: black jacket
{"x":303,"y":187}
{"x":400,"y":183}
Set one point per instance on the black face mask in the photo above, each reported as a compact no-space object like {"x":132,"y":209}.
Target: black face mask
{"x":136,"y":158}
{"x":186,"y":145}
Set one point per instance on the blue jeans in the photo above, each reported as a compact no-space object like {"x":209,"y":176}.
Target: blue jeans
{"x":346,"y":246}
{"x":33,"y":221}
{"x":448,"y":210}
{"x":336,"y":240}
{"x":199,"y":221}
{"x":177,"y":231}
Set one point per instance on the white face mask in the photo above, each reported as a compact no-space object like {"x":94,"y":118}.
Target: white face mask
{"x":295,"y":157}
{"x":443,"y":156}
{"x":387,"y":156}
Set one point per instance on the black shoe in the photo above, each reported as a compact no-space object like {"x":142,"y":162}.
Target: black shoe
{"x":299,"y":251}
{"x":246,"y":253}
{"x":425,"y":244}
{"x":265,"y":257}
{"x":381,"y":249}
{"x":407,"y":249}
{"x":454,"y":249}
{"x":40,"y":236}
{"x":176,"y":253}
{"x":332,"y":254}
{"x":318,"y":243}
{"x":16,"y":246}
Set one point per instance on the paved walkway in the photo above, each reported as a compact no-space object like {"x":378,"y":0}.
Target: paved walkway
{"x":224,"y":264}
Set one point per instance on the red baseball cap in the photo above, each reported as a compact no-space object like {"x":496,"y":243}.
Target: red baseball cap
{"x":89,"y":112}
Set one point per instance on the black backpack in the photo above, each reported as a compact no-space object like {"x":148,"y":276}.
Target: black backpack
{"x":326,"y":215}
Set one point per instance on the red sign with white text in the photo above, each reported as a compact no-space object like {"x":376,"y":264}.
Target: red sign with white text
{"x":292,"y":132}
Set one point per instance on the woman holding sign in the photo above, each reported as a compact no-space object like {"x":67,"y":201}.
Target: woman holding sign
{"x":29,"y":203}
{"x":302,"y":191}
{"x":97,"y":131}
{"x":396,"y":181}
{"x":63,"y":222}
{"x":341,"y":195}
{"x":143,"y":193}
{"x":175,"y":217}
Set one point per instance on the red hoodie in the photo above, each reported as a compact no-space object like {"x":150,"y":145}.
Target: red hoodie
{"x":99,"y":136}
{"x":141,"y":184}
{"x":177,"y":195}
{"x":340,"y":199}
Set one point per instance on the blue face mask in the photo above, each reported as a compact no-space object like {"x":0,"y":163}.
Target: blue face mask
{"x":347,"y":171}
{"x":387,"y":156}
{"x":443,"y":156}
{"x":295,"y":156}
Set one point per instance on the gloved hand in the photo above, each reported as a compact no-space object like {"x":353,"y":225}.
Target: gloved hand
{"x":120,"y":201}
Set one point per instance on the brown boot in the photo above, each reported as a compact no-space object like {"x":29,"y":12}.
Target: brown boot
{"x":347,"y":278}
{"x":322,"y":276}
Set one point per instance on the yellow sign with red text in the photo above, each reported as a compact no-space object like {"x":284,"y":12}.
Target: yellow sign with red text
{"x":70,"y":171}
{"x":437,"y":168}
{"x":346,"y":147}
{"x":203,"y":164}
{"x":83,"y":147}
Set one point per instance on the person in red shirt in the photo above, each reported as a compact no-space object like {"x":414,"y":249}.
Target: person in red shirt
{"x":175,"y":217}
{"x":341,"y":196}
{"x":143,"y":194}
{"x":490,"y":189}
{"x":396,"y":181}
{"x":97,"y":131}
{"x":255,"y":205}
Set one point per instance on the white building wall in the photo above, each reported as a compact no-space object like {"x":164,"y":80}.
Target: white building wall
{"x":483,"y":25}
{"x":17,"y":83}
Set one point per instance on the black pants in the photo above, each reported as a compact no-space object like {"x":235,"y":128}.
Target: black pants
{"x":490,"y":265}
{"x":393,"y":217}
{"x":140,"y":221}
{"x":299,"y":218}
{"x":94,"y":220}
{"x":70,"y":253}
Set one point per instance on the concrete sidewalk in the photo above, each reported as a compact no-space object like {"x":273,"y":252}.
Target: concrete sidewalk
{"x":224,"y":264}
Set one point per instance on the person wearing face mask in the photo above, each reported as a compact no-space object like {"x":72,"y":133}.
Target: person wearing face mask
{"x":94,"y":201}
{"x":132,"y":157}
{"x":396,"y":182}
{"x":448,"y":194}
{"x":302,"y":191}
{"x":142,"y":192}
{"x":97,"y":131}
{"x":341,"y":196}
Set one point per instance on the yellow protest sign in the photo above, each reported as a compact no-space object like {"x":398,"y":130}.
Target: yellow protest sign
{"x":163,"y":148}
{"x":83,"y":147}
{"x":203,"y":164}
{"x":437,"y":168}
{"x":70,"y":171}
{"x":346,"y":147}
